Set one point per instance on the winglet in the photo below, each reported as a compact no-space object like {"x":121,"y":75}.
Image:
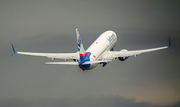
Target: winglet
{"x":170,"y":44}
{"x":13,"y":48}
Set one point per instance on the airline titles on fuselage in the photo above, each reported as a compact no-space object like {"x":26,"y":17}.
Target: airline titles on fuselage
{"x":110,"y":38}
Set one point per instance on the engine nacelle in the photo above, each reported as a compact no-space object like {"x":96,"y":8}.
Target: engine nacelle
{"x":75,"y":60}
{"x":123,"y":58}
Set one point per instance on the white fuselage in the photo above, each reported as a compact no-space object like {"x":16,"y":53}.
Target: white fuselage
{"x":100,"y":47}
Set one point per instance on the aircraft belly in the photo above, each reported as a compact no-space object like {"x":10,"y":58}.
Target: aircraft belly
{"x":93,"y":66}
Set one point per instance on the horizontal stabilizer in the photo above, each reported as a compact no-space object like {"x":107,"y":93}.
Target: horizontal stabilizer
{"x":76,"y":63}
{"x":63,"y":63}
{"x":93,"y":62}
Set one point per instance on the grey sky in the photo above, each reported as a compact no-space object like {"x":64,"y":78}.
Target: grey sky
{"x":150,"y":79}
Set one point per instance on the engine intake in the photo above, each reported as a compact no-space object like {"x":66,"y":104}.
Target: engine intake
{"x":123,"y":58}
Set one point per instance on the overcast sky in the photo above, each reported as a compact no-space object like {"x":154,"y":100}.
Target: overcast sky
{"x":148,"y":80}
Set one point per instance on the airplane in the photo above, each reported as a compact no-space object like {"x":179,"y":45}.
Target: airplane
{"x":100,"y":52}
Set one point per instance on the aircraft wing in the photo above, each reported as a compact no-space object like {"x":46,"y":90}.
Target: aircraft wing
{"x":126,"y":53}
{"x":115,"y":54}
{"x":49,"y":55}
{"x":52,"y":55}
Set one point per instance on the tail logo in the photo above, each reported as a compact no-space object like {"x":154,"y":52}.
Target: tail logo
{"x":79,"y":42}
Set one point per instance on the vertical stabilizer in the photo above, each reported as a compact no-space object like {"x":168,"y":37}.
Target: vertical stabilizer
{"x":79,"y":42}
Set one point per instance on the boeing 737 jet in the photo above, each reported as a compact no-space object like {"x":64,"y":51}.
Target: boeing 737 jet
{"x":100,"y":52}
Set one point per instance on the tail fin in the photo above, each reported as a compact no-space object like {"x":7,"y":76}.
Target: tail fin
{"x":79,"y":42}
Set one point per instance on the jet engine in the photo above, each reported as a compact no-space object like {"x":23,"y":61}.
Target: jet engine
{"x":123,"y":58}
{"x":75,"y":60}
